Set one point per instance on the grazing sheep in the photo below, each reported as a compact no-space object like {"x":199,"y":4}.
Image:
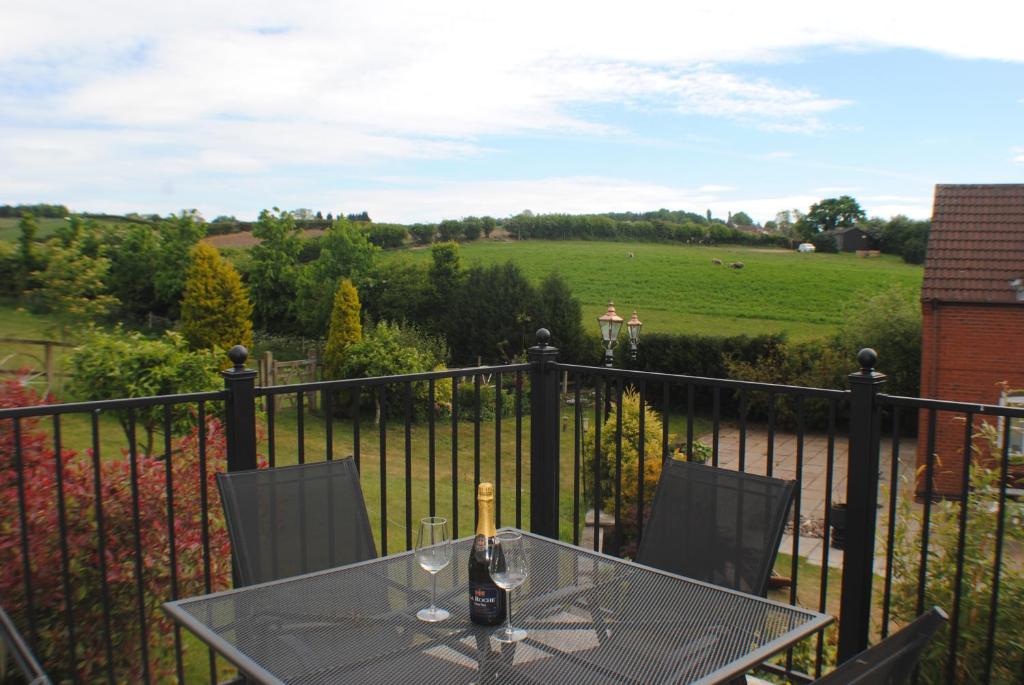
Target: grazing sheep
{"x":736,"y":265}
{"x":716,"y":262}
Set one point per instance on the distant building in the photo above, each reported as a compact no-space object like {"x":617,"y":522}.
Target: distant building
{"x":972,"y":302}
{"x":851,"y":239}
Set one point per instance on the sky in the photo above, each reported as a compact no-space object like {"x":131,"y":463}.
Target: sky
{"x":420,"y":111}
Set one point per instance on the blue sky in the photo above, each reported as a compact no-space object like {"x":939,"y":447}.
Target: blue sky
{"x":421,"y":111}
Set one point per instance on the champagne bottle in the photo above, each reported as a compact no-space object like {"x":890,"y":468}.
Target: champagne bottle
{"x":486,"y":600}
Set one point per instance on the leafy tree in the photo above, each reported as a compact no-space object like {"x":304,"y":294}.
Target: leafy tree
{"x":561,"y":313}
{"x":445,"y":278}
{"x":492,"y":315}
{"x":135,"y":254}
{"x":472,"y":227}
{"x":215,"y":311}
{"x":890,"y":323}
{"x":273,"y":271}
{"x":345,"y":252}
{"x":396,"y":290}
{"x":830,"y":214}
{"x":114,"y":365}
{"x":742,"y":219}
{"x":345,"y":328}
{"x":488,"y":224}
{"x":73,"y":284}
{"x":178,"y":235}
{"x":423,"y":234}
{"x":450,"y":229}
{"x":903,"y":236}
{"x":28,"y":256}
{"x":10,"y":268}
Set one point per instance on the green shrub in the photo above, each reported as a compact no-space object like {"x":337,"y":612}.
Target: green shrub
{"x":976,"y":587}
{"x":115,"y":365}
{"x":388,"y":349}
{"x":825,"y":243}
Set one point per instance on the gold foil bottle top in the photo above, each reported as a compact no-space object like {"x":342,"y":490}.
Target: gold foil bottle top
{"x":485,"y":492}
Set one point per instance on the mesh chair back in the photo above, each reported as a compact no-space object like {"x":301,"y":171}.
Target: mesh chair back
{"x":295,"y":519}
{"x":892,"y":660}
{"x":719,"y":526}
{"x":20,"y":653}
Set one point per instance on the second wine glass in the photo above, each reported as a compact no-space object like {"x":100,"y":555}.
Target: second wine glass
{"x":433,"y":553}
{"x":508,"y":571}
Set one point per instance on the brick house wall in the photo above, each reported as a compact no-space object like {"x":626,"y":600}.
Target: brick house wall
{"x":966,"y":350}
{"x":972,"y":319}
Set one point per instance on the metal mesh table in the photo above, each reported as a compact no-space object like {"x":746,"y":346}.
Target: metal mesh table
{"x":591,"y":619}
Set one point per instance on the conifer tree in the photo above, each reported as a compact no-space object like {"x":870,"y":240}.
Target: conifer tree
{"x":215,"y":307}
{"x":344,"y":328}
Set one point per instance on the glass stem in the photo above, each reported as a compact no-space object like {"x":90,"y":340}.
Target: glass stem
{"x":508,"y":612}
{"x":433,"y":592}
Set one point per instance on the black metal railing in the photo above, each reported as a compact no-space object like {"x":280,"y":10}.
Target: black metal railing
{"x":424,"y":441}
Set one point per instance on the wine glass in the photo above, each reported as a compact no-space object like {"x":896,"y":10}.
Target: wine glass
{"x":433,"y":553}
{"x":508,"y":571}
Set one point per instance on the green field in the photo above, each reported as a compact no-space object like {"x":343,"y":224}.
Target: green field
{"x":9,"y":230}
{"x":677,"y":289}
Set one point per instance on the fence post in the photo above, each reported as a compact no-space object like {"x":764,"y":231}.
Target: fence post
{"x":240,"y":411}
{"x":543,"y":437}
{"x":861,"y":501}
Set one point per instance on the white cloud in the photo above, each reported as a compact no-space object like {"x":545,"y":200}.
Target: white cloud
{"x":151,"y":94}
{"x":456,"y":70}
{"x":1018,"y":154}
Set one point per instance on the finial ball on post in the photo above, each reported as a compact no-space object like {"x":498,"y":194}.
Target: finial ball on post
{"x":543,"y":336}
{"x":867,"y":358}
{"x":238,"y":354}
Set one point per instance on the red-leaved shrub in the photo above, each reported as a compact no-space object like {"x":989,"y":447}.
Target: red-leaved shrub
{"x":123,"y":532}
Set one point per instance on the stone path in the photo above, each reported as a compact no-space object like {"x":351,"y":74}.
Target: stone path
{"x":814,"y":478}
{"x":812,"y":543}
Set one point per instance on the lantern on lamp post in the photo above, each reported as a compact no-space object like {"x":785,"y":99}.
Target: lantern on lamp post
{"x":633,"y":329}
{"x":610,"y":323}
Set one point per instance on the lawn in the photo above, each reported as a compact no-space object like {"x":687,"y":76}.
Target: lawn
{"x":18,"y":323}
{"x":677,"y":289}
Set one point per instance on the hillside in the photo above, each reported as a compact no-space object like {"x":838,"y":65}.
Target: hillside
{"x":677,"y":289}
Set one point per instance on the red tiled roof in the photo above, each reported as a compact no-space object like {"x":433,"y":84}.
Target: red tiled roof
{"x":976,"y":243}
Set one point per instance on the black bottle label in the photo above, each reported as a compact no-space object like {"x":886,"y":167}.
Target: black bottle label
{"x":486,"y":600}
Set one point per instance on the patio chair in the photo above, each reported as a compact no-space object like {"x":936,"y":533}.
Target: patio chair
{"x":295,"y":519}
{"x":893,"y":659}
{"x":723,"y":527}
{"x":14,"y":645}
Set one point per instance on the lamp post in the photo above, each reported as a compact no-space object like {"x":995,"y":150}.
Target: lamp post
{"x":610,"y":323}
{"x":633,"y":329}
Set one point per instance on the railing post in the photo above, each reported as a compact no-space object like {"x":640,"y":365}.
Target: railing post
{"x":861,"y":501}
{"x":240,"y":411}
{"x":543,"y":437}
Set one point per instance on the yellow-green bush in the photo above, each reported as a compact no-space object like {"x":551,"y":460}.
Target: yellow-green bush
{"x":630,"y":467}
{"x":344,"y":329}
{"x":215,"y":308}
